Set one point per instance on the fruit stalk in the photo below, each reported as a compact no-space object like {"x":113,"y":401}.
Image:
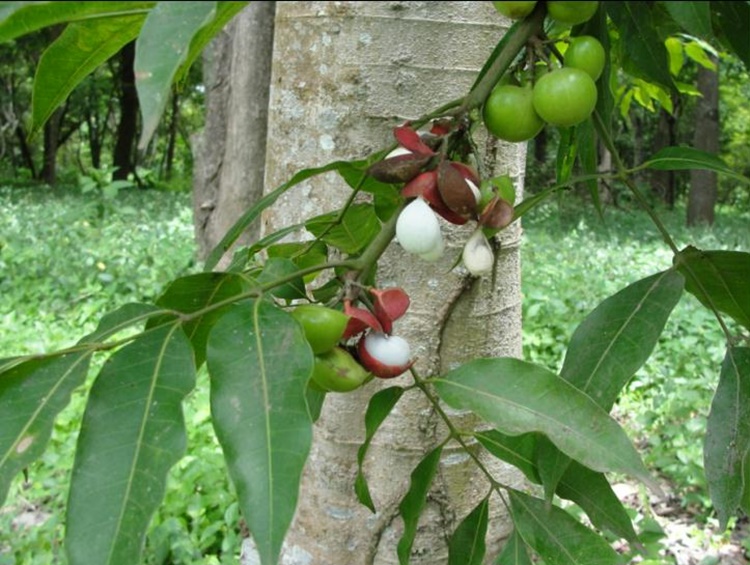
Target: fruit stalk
{"x":525,"y":29}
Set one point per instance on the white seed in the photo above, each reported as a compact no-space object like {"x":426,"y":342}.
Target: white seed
{"x":390,"y":350}
{"x":418,"y":229}
{"x":477,"y":255}
{"x":474,"y":189}
{"x":397,"y":152}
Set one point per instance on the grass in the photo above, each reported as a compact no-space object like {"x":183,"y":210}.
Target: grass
{"x":65,"y":259}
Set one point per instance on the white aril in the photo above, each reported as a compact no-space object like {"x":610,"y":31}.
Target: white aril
{"x":474,"y":189}
{"x":398,"y":152}
{"x":477,"y":255}
{"x":385,"y":356}
{"x":418,"y":229}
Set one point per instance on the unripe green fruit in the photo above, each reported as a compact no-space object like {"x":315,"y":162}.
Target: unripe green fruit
{"x":586,"y":53}
{"x":514,"y":10}
{"x":323,"y":326}
{"x":509,"y":113}
{"x":565,"y":97}
{"x":337,"y":371}
{"x":571,"y":13}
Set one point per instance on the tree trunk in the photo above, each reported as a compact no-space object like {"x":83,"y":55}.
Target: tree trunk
{"x":123,"y":156}
{"x":344,"y":75}
{"x":704,"y":184}
{"x":172,"y":135}
{"x":663,"y":182}
{"x":230,"y":154}
{"x":51,"y":143}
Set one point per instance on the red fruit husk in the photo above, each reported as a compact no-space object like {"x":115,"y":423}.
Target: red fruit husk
{"x":454,"y":191}
{"x":497,"y":214}
{"x":389,"y":304}
{"x":410,"y":139}
{"x":441,"y":127}
{"x":376,"y":367}
{"x":401,"y":168}
{"x":466,"y":171}
{"x":359,"y":320}
{"x":425,"y":185}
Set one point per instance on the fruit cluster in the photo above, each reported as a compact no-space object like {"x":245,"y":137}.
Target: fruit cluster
{"x":352,"y":346}
{"x":532,"y":96}
{"x":438,"y":186}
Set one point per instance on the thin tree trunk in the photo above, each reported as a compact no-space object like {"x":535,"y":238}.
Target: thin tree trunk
{"x":23,"y":144}
{"x":51,"y":143}
{"x":344,"y":75}
{"x":172,"y":139}
{"x":123,"y":155}
{"x":704,"y":184}
{"x":663,"y":182}
{"x":230,"y":154}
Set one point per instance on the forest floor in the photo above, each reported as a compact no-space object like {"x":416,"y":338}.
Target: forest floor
{"x":686,"y":540}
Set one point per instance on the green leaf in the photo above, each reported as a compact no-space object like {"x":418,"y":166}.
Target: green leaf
{"x":132,"y":433}
{"x":593,"y":493}
{"x":566,"y":155}
{"x":588,"y":157}
{"x":244,"y":255}
{"x":644,"y":54}
{"x":519,"y":397}
{"x":730,"y":26}
{"x":693,"y":17}
{"x":195,"y":292}
{"x":34,"y":391}
{"x":514,"y":552}
{"x":618,"y":336}
{"x":21,"y":18}
{"x":225,"y":11}
{"x":467,"y":545}
{"x":551,"y":465}
{"x":588,"y":489}
{"x":380,"y":405}
{"x":718,"y":278}
{"x":727,"y":442}
{"x":684,"y":158}
{"x":31,"y":396}
{"x":278,"y":268}
{"x":414,"y":501}
{"x":161,"y":48}
{"x":254,"y":211}
{"x":351,"y":233}
{"x":517,"y":450}
{"x":304,"y":254}
{"x":79,"y":50}
{"x":260,"y":363}
{"x":557,"y":537}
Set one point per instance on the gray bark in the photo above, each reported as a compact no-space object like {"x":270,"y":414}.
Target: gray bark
{"x":230,"y":153}
{"x":704,"y":184}
{"x":344,"y":74}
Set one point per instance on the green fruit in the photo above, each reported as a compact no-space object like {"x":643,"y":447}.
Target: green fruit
{"x":565,"y":97}
{"x":509,"y":113}
{"x":323,"y":326}
{"x":586,"y":53}
{"x":514,"y":10}
{"x":337,"y":371}
{"x":571,"y":13}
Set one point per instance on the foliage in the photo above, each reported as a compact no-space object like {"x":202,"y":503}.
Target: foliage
{"x":555,"y":426}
